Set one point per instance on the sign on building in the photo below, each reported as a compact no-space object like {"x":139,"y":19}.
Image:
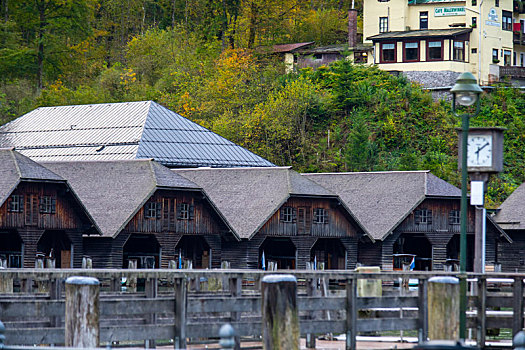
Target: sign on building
{"x":449,"y":11}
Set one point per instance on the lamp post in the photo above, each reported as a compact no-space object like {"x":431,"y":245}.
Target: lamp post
{"x":466,"y":93}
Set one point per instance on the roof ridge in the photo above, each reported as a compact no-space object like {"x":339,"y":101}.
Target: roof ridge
{"x":155,"y":182}
{"x":12,"y":153}
{"x":372,"y":172}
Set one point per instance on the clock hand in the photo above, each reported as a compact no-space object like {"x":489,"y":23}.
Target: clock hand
{"x":480,"y":148}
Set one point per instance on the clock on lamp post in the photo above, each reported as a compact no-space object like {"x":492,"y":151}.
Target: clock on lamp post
{"x":484,"y":150}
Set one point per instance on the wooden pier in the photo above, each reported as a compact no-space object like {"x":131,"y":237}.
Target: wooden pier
{"x":181,"y":304}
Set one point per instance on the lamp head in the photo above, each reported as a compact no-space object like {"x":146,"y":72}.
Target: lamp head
{"x":466,"y":90}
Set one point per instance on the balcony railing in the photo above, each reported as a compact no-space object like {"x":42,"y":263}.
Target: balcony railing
{"x":519,"y":38}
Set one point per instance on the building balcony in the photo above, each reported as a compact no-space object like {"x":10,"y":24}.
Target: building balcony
{"x":518,"y":38}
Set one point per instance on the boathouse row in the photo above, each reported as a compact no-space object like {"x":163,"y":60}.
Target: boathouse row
{"x":40,"y":216}
{"x":411,"y":214}
{"x":283,"y":219}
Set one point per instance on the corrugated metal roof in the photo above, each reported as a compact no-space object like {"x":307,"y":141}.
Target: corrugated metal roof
{"x":420,"y":34}
{"x":117,"y":131}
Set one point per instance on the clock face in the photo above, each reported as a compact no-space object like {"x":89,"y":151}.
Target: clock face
{"x":479,"y":151}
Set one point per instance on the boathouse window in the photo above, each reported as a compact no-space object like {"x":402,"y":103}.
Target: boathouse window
{"x":388,"y":52}
{"x":185,"y":211}
{"x":320,"y":216}
{"x":435,"y":50}
{"x":506,"y":20}
{"x":152,"y":210}
{"x":459,"y":51}
{"x":16,"y":203}
{"x":423,"y":216}
{"x":48,"y":205}
{"x":287,"y":214}
{"x":411,"y":51}
{"x":454,"y":217}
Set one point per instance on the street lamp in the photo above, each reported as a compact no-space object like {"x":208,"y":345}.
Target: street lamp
{"x":466,"y":93}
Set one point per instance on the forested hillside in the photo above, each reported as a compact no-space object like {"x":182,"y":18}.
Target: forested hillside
{"x":202,"y":59}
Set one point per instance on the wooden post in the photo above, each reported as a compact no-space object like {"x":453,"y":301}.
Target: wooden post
{"x":311,"y":287}
{"x":351,"y":313}
{"x":236,"y":291}
{"x":517,"y":307}
{"x":82,"y":312}
{"x":280,"y":316}
{"x":6,"y":284}
{"x":443,"y":307}
{"x":180,"y":313}
{"x":422,"y":310}
{"x":151,"y":292}
{"x":55,"y":291}
{"x":481,"y":306}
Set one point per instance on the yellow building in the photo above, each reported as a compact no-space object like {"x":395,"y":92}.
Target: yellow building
{"x":433,"y":41}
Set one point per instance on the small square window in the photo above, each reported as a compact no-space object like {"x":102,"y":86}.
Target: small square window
{"x":152,"y":210}
{"x":184,"y":211}
{"x":320,"y":216}
{"x":47,"y":205}
{"x":16,"y":203}
{"x":423,"y":216}
{"x":411,"y":51}
{"x":287,"y":214}
{"x":388,"y":52}
{"x":454,"y":217}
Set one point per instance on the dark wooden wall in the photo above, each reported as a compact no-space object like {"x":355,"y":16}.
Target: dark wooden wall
{"x":69,"y":217}
{"x":512,"y":255}
{"x":167,"y":229}
{"x":245,"y":254}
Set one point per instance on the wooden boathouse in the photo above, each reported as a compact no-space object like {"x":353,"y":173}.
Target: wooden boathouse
{"x":41,"y":217}
{"x":147,"y":214}
{"x":410,"y":212}
{"x":282,"y":218}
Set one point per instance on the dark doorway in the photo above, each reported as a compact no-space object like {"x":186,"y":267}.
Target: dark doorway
{"x":143,"y":251}
{"x":453,"y":250}
{"x":329,"y":253}
{"x":54,"y":247}
{"x":193,"y":250}
{"x":280,"y":251}
{"x":10,"y":249}
{"x":418,"y":245}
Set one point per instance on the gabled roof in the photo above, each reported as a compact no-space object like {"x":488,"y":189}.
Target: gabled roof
{"x":114,"y":191}
{"x":15,"y":167}
{"x":118,"y":131}
{"x":420,"y":34}
{"x":511,"y":213}
{"x":248,"y":197}
{"x":282,"y":48}
{"x":382,"y":200}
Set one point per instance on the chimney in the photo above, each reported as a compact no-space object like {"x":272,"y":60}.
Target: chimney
{"x":352,"y":28}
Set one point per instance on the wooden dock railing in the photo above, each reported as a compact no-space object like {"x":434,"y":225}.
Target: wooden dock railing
{"x":176,"y":305}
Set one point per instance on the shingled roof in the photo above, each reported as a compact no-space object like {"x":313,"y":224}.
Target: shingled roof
{"x":248,"y":197}
{"x":15,"y":167}
{"x":511,"y":214}
{"x":114,"y":191}
{"x":117,"y":131}
{"x":382,"y":200}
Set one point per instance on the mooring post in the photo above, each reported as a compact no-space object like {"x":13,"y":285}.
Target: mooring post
{"x":518,"y":342}
{"x":236,"y":291}
{"x":82,"y":312}
{"x":280,"y":317}
{"x":151,"y":289}
{"x":180,"y":286}
{"x":227,"y":335}
{"x":2,"y":336}
{"x":311,"y":290}
{"x":6,"y":284}
{"x":443,"y":307}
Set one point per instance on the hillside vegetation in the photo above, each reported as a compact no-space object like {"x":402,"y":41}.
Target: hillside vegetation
{"x":200,"y":59}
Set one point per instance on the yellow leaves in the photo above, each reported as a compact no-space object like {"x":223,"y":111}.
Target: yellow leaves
{"x":128,"y":76}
